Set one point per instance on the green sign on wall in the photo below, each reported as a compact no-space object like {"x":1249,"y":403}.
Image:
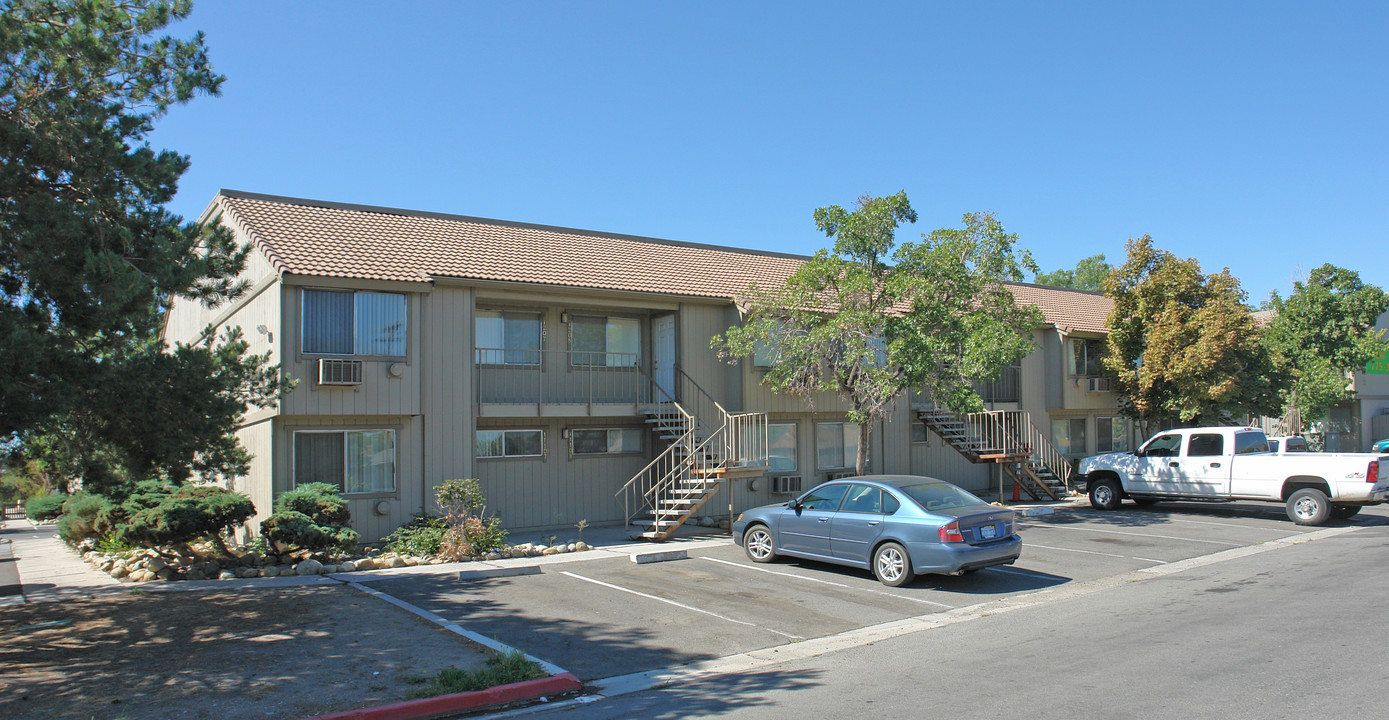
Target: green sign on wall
{"x":1379,"y":365}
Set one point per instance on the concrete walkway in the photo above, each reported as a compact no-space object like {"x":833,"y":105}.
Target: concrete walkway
{"x":45,"y":567}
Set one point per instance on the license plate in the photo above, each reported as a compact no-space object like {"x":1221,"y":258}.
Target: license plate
{"x":988,"y":531}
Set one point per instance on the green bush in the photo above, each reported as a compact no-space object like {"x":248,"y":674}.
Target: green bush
{"x":421,"y":536}
{"x":158,"y":514}
{"x":83,"y":517}
{"x":501,"y":669}
{"x":469,"y":532}
{"x":46,"y":507}
{"x":310,"y":517}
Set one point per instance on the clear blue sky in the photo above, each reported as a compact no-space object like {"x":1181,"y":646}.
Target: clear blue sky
{"x":1249,"y":135}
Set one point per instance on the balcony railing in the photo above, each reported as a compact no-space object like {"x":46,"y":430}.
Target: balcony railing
{"x":559,"y":377}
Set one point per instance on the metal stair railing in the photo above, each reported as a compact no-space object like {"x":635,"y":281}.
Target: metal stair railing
{"x":1001,"y":434}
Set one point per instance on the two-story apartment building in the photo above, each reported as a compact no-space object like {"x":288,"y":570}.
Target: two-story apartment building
{"x":570,"y":371}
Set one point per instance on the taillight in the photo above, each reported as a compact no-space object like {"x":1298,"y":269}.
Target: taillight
{"x":1372,"y":473}
{"x":951,"y":533}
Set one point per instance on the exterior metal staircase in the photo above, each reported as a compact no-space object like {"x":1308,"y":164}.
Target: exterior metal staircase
{"x":707,"y":445}
{"x":1006,"y":438}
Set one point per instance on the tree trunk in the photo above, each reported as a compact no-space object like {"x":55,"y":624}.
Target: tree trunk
{"x":865,"y":431}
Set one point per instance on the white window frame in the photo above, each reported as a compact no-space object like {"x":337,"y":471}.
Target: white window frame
{"x":395,"y":454}
{"x":504,"y":432}
{"x":795,"y":447}
{"x":610,"y":357}
{"x":357,"y":340}
{"x":843,"y":445}
{"x":608,"y":443}
{"x":506,"y":353}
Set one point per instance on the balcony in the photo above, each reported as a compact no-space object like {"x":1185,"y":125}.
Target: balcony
{"x":1006,"y":389}
{"x":559,"y":383}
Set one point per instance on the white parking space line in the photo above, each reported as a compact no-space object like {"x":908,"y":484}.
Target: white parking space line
{"x":1236,"y":525}
{"x":827,"y":582}
{"x":1134,"y":534}
{"x":677,"y":604}
{"x":1093,"y":552}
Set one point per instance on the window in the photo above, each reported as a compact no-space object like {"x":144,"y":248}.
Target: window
{"x":862,"y":499}
{"x":1163,"y":446}
{"x":919,"y":432}
{"x":510,"y":443}
{"x":1255,"y":442}
{"x":763,"y":354}
{"x":1111,"y":434}
{"x":604,"y":441}
{"x":605,"y":341}
{"x":1205,"y":445}
{"x":836,"y":445}
{"x":1085,"y":356}
{"x":508,"y":338}
{"x":781,"y":447}
{"x":826,"y":497}
{"x":1068,"y":434}
{"x":356,"y":461}
{"x":342,"y":322}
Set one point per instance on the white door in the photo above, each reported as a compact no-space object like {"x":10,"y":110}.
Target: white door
{"x":663,"y":354}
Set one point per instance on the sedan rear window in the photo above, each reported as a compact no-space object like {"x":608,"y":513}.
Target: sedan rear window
{"x":940,"y":496}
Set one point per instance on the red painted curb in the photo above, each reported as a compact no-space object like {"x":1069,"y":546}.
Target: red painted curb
{"x":461,"y":702}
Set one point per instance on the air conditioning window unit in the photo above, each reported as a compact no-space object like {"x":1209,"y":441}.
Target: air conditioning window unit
{"x":840,"y":475}
{"x":339,"y":372}
{"x":1097,"y":384}
{"x":786,"y":484}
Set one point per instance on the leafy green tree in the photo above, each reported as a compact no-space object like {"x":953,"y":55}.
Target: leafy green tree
{"x":1089,"y":274}
{"x":1319,"y":335}
{"x":866,"y":321}
{"x":90,"y":259}
{"x":1183,"y":347}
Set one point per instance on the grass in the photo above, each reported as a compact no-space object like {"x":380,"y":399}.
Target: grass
{"x":501,"y":669}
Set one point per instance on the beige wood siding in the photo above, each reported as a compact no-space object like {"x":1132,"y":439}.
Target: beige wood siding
{"x":558,"y":490}
{"x":259,"y":440}
{"x":401,"y":503}
{"x":380,"y":392}
{"x":697,"y":324}
{"x":447,"y":387}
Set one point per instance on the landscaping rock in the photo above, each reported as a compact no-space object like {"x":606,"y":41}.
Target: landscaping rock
{"x":581,"y":546}
{"x":195,"y":574}
{"x":226,"y":575}
{"x":571,"y":547}
{"x":395,"y":562}
{"x":308,"y":567}
{"x":155,"y":564}
{"x":365,"y":564}
{"x":168,"y":573}
{"x":550,"y":551}
{"x":119,"y":571}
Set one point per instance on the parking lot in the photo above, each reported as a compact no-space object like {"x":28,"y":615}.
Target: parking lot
{"x":607,"y":616}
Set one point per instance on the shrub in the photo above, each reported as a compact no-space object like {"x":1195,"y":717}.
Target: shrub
{"x":45,"y":508}
{"x":83,"y":517}
{"x":469,"y":532}
{"x":421,"y":536}
{"x":158,"y":514}
{"x":311,"y":517}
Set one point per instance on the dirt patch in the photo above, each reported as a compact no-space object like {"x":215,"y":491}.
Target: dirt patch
{"x":273,"y":653}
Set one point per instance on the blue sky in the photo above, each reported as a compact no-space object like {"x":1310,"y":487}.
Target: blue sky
{"x":1249,"y":135}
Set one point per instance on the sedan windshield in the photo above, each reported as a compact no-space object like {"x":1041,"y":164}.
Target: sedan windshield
{"x":940,"y":496}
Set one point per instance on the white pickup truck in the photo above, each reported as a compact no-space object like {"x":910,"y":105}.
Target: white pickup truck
{"x":1234,"y":463}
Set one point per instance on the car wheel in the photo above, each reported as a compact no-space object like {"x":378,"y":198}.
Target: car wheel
{"x":1105,"y":495}
{"x":1309,"y":506}
{"x":759,"y":544}
{"x":892,"y":565}
{"x":1344,"y":512}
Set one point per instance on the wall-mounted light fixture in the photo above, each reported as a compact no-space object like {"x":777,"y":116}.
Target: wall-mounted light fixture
{"x":564,"y":317}
{"x":263,"y":330}
{"x":564,"y":433}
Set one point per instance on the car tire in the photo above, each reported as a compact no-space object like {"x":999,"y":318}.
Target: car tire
{"x":1105,"y":495}
{"x":892,"y":565}
{"x":759,"y":544}
{"x":1344,"y":512}
{"x":1309,"y":506}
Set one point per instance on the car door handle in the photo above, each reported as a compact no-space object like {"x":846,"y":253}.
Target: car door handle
{"x":1215,"y":464}
{"x":1174,"y":464}
{"x":824,"y":519}
{"x":875,"y":522}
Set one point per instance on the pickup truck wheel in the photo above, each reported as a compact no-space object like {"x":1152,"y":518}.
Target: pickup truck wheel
{"x":1105,"y":495}
{"x":1344,"y":512}
{"x":1309,"y":506}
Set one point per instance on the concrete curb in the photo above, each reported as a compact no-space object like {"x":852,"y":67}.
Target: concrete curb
{"x":461,"y":702}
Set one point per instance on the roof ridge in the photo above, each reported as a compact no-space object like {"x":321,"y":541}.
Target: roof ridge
{"x":404,"y":212}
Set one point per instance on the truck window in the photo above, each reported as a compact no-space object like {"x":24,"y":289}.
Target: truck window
{"x":1297,"y":445}
{"x":1251,"y":442}
{"x":1163,"y":446}
{"x":1273,"y":446}
{"x":1206,"y":445}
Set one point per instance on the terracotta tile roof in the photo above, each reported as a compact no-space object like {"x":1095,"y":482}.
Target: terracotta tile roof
{"x":307,"y":237}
